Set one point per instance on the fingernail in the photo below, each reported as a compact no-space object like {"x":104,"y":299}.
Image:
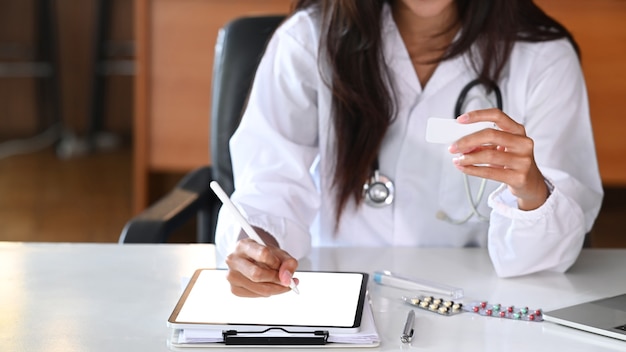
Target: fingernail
{"x":453,"y":148}
{"x":285,"y":277}
{"x":457,"y":160}
{"x":463,"y":118}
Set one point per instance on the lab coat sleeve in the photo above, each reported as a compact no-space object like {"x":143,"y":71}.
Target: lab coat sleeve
{"x":557,"y":119}
{"x":276,"y":144}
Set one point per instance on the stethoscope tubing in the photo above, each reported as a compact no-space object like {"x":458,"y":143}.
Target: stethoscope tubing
{"x":378,"y":180}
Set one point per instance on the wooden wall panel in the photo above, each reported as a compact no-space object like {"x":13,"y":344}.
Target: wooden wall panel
{"x":75,"y":26}
{"x":18,"y":116}
{"x":176,"y":40}
{"x":599,"y":27}
{"x":183,"y":41}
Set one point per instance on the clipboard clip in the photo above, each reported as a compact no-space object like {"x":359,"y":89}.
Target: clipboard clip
{"x":275,"y":336}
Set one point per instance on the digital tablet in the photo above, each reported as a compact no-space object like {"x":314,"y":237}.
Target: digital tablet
{"x":331,"y":301}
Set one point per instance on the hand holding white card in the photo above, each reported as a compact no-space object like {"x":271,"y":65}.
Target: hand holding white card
{"x":440,"y":130}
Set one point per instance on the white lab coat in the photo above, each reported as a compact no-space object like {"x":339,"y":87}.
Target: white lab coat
{"x":283,"y":153}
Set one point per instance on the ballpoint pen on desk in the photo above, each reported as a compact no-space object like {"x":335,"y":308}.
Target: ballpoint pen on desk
{"x":407,"y":332}
{"x":389,"y":279}
{"x":247,"y":228}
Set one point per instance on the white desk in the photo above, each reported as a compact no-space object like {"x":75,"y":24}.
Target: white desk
{"x":109,"y":297}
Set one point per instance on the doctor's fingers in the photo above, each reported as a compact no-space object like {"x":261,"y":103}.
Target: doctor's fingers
{"x":244,"y":271}
{"x":268,"y":256}
{"x":513,"y":143}
{"x":264,"y":257}
{"x":523,"y":177}
{"x":516,"y":170}
{"x":242,"y":286}
{"x":287,"y":267}
{"x":495,"y":158}
{"x":502,"y":120}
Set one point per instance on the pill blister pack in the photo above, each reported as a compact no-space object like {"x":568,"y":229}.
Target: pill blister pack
{"x":441,"y":306}
{"x":506,"y":312}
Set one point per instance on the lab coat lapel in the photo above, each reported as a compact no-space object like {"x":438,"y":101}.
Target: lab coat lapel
{"x":397,"y":58}
{"x":445,"y":73}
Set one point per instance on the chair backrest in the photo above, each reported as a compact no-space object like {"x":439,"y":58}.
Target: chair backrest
{"x":240,"y":45}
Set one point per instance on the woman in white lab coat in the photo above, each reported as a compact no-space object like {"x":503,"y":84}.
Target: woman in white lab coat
{"x":342,"y":97}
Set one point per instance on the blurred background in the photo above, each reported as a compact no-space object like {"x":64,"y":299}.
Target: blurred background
{"x":104,"y":106}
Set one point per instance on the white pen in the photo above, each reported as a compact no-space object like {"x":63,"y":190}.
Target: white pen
{"x":219,"y":192}
{"x":389,"y":279}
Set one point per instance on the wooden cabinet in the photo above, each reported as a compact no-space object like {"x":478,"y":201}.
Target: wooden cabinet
{"x":175,"y":43}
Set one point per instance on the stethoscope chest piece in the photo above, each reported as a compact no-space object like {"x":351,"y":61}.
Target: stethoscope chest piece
{"x":379,"y":191}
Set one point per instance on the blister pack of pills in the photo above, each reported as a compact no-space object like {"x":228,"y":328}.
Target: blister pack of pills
{"x":506,"y":312}
{"x":441,"y":306}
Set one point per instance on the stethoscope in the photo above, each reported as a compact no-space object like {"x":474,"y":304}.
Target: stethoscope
{"x":379,"y":190}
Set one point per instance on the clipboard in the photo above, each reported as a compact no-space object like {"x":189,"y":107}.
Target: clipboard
{"x":330,"y":305}
{"x":367,"y":337}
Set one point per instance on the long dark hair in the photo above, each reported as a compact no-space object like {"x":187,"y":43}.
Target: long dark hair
{"x":363,"y":106}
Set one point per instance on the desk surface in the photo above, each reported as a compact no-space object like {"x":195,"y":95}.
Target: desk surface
{"x":109,"y":297}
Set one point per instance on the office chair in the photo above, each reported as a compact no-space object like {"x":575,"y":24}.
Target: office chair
{"x":240,"y":45}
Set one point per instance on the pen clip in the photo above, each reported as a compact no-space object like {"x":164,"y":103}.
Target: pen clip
{"x":407,"y":332}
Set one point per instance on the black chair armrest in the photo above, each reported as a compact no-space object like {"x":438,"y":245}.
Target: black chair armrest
{"x":191,"y":196}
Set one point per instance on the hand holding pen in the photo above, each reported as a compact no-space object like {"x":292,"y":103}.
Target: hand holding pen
{"x":257,"y":267}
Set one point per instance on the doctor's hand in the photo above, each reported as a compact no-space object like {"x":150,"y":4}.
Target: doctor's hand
{"x":260,"y":271}
{"x":504,"y":154}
